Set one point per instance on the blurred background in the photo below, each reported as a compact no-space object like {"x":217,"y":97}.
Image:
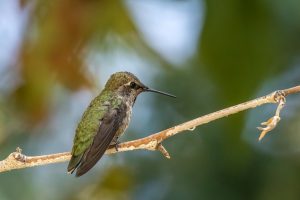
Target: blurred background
{"x":55,"y":56}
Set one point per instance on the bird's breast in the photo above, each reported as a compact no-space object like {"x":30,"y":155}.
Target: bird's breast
{"x":126,"y":120}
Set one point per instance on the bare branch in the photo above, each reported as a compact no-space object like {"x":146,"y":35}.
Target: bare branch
{"x":291,"y":90}
{"x":17,"y":160}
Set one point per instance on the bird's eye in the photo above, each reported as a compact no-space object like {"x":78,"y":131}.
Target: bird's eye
{"x":133,"y":85}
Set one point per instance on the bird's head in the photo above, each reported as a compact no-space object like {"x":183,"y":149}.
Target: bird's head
{"x":128,"y":85}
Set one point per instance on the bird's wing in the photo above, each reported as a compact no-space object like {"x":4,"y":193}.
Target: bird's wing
{"x":107,"y":130}
{"x":89,"y":125}
{"x":87,"y":129}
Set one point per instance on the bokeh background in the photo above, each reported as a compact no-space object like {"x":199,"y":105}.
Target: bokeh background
{"x":55,"y":56}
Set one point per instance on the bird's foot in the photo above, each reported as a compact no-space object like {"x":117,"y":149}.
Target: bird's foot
{"x":115,"y":145}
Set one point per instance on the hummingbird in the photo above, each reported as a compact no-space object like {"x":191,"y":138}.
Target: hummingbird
{"x":105,"y":120}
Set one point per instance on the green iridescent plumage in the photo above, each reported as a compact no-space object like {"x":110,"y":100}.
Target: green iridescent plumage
{"x":90,"y":122}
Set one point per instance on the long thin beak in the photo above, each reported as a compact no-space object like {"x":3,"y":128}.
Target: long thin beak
{"x":146,"y":89}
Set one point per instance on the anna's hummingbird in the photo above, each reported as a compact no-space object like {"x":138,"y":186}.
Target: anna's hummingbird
{"x":106,"y":118}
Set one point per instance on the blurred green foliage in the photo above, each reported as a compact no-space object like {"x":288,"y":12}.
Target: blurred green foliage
{"x":244,"y":49}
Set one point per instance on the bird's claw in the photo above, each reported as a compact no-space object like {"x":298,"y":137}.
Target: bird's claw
{"x":117,"y":145}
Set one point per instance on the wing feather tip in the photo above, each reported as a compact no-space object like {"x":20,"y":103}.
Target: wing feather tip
{"x":80,"y":172}
{"x":74,"y":163}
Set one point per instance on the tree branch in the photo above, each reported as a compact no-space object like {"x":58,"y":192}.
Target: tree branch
{"x":17,"y":160}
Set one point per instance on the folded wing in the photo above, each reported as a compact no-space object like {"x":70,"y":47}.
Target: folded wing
{"x":107,"y":130}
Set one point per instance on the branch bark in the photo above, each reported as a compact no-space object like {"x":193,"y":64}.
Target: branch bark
{"x":17,"y":160}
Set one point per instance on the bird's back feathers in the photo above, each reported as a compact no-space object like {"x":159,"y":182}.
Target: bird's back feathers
{"x":92,"y":140}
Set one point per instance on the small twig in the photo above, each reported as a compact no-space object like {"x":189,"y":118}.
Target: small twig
{"x":153,"y":142}
{"x":164,"y":151}
{"x":273,"y":121}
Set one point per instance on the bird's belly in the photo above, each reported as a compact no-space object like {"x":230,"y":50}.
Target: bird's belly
{"x":124,"y":123}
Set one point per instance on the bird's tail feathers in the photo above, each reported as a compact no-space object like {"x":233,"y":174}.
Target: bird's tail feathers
{"x":73,"y":164}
